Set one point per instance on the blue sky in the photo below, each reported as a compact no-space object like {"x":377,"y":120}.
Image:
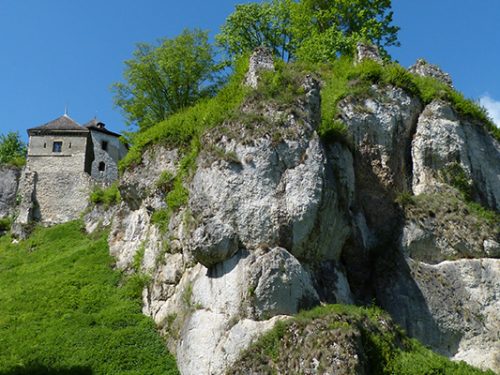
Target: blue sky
{"x":59,"y":52}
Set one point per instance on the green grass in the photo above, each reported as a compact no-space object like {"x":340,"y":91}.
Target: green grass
{"x":282,"y":86}
{"x":64,"y":310}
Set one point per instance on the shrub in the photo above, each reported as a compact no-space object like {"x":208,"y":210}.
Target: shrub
{"x":454,"y":174}
{"x":165,"y":181}
{"x":333,"y":131}
{"x":5,"y":224}
{"x":161,"y":218}
{"x":106,"y":196}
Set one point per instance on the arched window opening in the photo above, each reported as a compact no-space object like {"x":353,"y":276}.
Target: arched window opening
{"x":102,"y":166}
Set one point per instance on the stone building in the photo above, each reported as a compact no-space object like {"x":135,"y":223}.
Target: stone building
{"x":64,"y":161}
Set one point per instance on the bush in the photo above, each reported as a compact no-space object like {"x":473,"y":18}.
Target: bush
{"x":108,"y":197}
{"x":161,"y":218}
{"x":5,"y":224}
{"x":333,"y":131}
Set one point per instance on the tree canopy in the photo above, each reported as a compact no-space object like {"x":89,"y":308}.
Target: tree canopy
{"x":311,"y":30}
{"x":258,"y":24}
{"x":164,"y":79}
{"x":161,"y":80}
{"x":12,"y":149}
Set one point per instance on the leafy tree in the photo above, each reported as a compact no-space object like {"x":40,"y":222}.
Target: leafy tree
{"x":312,"y":30}
{"x":324,"y":28}
{"x":258,"y":24}
{"x":12,"y":149}
{"x":161,"y":80}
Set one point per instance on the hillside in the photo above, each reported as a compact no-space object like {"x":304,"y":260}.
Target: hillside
{"x":64,"y":310}
{"x":346,"y":185}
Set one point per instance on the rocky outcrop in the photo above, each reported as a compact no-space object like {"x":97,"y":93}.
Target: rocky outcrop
{"x":443,"y":227}
{"x":367,"y":52}
{"x":260,"y":60}
{"x":424,"y":69}
{"x":27,"y":207}
{"x":449,"y":306}
{"x":262,"y":232}
{"x":326,"y":342}
{"x":442,"y":139}
{"x":9,"y":181}
{"x":277,"y":220}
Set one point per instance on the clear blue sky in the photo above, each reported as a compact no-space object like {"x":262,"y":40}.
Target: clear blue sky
{"x":59,"y":52}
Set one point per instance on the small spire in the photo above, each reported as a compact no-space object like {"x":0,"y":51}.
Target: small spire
{"x":66,"y":110}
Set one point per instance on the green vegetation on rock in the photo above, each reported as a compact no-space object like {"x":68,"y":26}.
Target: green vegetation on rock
{"x":106,"y":196}
{"x":180,"y":129}
{"x":64,"y":310}
{"x":343,"y":339}
{"x":342,"y":78}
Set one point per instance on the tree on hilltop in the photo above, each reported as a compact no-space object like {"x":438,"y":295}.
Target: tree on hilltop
{"x":258,"y":24}
{"x":161,"y":80}
{"x":310,"y":30}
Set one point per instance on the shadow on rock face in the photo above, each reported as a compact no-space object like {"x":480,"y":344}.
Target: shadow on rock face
{"x":376,"y":268}
{"x":398,"y":293}
{"x":221,"y":269}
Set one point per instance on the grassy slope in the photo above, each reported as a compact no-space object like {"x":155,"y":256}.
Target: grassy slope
{"x":62,"y":310}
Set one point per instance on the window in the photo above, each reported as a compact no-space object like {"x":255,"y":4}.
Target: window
{"x":69,"y":145}
{"x":104,"y":145}
{"x":44,"y":145}
{"x":102,"y":166}
{"x":57,"y":147}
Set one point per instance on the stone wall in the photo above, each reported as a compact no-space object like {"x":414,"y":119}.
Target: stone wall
{"x":110,"y":157}
{"x":62,"y":186}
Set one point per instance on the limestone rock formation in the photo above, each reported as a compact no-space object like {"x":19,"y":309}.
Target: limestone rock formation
{"x":367,"y":52}
{"x":261,"y":60}
{"x":442,"y":139}
{"x":278,"y":220}
{"x":425,"y":69}
{"x":27,"y":208}
{"x":9,"y":180}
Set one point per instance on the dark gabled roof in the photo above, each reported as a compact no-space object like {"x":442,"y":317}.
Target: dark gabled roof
{"x":99,"y":126}
{"x":63,"y":124}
